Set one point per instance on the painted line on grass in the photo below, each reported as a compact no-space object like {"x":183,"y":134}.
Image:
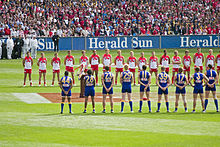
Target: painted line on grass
{"x":31,"y":98}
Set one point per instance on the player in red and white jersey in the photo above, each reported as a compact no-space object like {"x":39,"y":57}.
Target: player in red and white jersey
{"x":176,"y":61}
{"x":217,"y":61}
{"x":119,"y":64}
{"x":69,"y":61}
{"x":55,"y":62}
{"x":132,"y":62}
{"x":153,"y":64}
{"x":107,"y":60}
{"x":42,"y":63}
{"x":84,"y":60}
{"x":27,"y":63}
{"x":210,"y":59}
{"x":187,"y":63}
{"x":165,"y":61}
{"x":141,"y":61}
{"x":94,"y":60}
{"x":198,"y":59}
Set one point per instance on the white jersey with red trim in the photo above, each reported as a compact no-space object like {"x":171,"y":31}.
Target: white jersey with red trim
{"x":119,"y":61}
{"x":107,"y":59}
{"x":186,"y":60}
{"x":132,"y":62}
{"x":165,"y":61}
{"x":69,"y":61}
{"x":84,"y":60}
{"x":198,"y":59}
{"x":28,"y":63}
{"x":153,"y":62}
{"x":142,"y":61}
{"x":210,"y":60}
{"x":175,"y":59}
{"x":42,"y":63}
{"x":56,"y":63}
{"x":94,"y":59}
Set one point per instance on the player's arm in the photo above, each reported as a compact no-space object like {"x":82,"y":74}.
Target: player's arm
{"x":157,"y":81}
{"x":194,"y":59}
{"x":23,"y":62}
{"x":202,"y":58}
{"x":149,"y":63}
{"x":99,"y":59}
{"x":149,"y":80}
{"x":169,"y":60}
{"x":135,"y":62}
{"x":110,"y":60}
{"x":73,"y":60}
{"x":190,"y":62}
{"x":46,"y":61}
{"x":216,"y":79}
{"x":190,"y":81}
{"x":139,"y":80}
{"x":38,"y":62}
{"x":121,"y":80}
{"x":132,"y":78}
{"x":157,"y":63}
{"x":115,"y":60}
{"x":32,"y":62}
{"x":175,"y":77}
{"x":61,"y":87}
{"x":90,"y":59}
{"x":128,"y":61}
{"x":103,"y":83}
{"x":169,"y":81}
{"x":160,"y":61}
{"x":205,"y":61}
{"x":51,"y":62}
{"x":186,"y":83}
{"x":179,"y":62}
{"x":65,"y":61}
{"x":103,"y":59}
{"x":206,"y":79}
{"x":214,"y":61}
{"x":183,"y":61}
{"x":94,"y":82}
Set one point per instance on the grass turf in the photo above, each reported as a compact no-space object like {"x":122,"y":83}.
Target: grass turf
{"x":24,"y":124}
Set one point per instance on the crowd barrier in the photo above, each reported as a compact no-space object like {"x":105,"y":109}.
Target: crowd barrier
{"x":129,"y":42}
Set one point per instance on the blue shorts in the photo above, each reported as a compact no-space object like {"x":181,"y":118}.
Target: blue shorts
{"x":207,"y":88}
{"x":197,"y":90}
{"x":160,"y":91}
{"x":126,"y":89}
{"x":180,"y":91}
{"x":63,"y":94}
{"x":89,"y":91}
{"x":142,"y":88}
{"x":105,"y":92}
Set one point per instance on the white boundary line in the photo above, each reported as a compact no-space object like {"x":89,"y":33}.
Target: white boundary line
{"x":31,"y":98}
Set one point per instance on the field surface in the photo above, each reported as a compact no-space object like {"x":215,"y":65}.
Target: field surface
{"x":29,"y":116}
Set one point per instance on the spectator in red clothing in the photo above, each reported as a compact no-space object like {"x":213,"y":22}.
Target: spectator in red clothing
{"x":7,"y":30}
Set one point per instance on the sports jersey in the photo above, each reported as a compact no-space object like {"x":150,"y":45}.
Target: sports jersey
{"x":186,"y":60}
{"x":42,"y":63}
{"x":165,"y":61}
{"x":107,"y":59}
{"x":198,"y":59}
{"x":211,"y":74}
{"x":144,"y":78}
{"x":132,"y":62}
{"x":210,"y":60}
{"x":28,"y":63}
{"x":119,"y":61}
{"x":127,"y":77}
{"x":180,"y":79}
{"x":108,"y":79}
{"x":163,"y":79}
{"x":66,"y":83}
{"x":89,"y":85}
{"x":175,"y":59}
{"x":84,"y":60}
{"x":198,"y":79}
{"x":94,"y":59}
{"x":69,"y":61}
{"x":56,"y":63}
{"x":142,"y":61}
{"x":153,"y":62}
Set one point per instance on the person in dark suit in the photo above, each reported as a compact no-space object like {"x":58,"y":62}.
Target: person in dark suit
{"x":55,"y":39}
{"x":18,"y":47}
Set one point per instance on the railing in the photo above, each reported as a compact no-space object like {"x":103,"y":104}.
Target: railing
{"x":130,"y":42}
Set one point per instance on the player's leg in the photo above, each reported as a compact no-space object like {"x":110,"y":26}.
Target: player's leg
{"x":53,"y":79}
{"x":167,"y":102}
{"x":215,"y":100}
{"x":116,"y":77}
{"x":40,"y":74}
{"x":104,"y":103}
{"x":85,"y":104}
{"x":111,"y":102}
{"x":25,"y":76}
{"x":218,"y":71}
{"x":134,"y":78}
{"x":44,"y":76}
{"x":58,"y":77}
{"x":72,"y":74}
{"x":202,"y":101}
{"x":123,"y":102}
{"x":70,"y":104}
{"x":93,"y":104}
{"x":184,"y":102}
{"x":206,"y":99}
{"x":194,"y":102}
{"x":130,"y":101}
{"x":159,"y":102}
{"x":173,"y":74}
{"x":188,"y":74}
{"x":141,"y":101}
{"x":177,"y":102}
{"x":148,"y":100}
{"x":96,"y":76}
{"x":30,"y":79}
{"x":62,"y":104}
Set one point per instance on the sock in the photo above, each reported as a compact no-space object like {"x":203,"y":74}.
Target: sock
{"x":141,"y":103}
{"x":176,"y":108}
{"x":131,"y":105}
{"x":62,"y":105}
{"x":158,"y":106}
{"x":24,"y":83}
{"x":70,"y":105}
{"x":122,"y":105}
{"x":52,"y":83}
{"x":73,"y":81}
{"x":116,"y":82}
{"x":216,"y":103}
{"x":185,"y":108}
{"x":96,"y":78}
{"x":103,"y":109}
{"x":44,"y":83}
{"x":167,"y":104}
{"x":206,"y":103}
{"x":39,"y":83}
{"x":149,"y":105}
{"x":172,"y":79}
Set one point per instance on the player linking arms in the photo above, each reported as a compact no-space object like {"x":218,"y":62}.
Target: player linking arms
{"x":107,"y":82}
{"x":213,"y":79}
{"x":144,"y":78}
{"x":180,"y":82}
{"x":126,"y":80}
{"x":66,"y":86}
{"x":198,"y":85}
{"x":89,"y":89}
{"x":163,"y":81}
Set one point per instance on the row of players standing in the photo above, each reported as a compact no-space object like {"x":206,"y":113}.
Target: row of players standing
{"x":14,"y":47}
{"x":119,"y":61}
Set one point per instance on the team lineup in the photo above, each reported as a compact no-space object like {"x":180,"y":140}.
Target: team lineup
{"x":125,"y":71}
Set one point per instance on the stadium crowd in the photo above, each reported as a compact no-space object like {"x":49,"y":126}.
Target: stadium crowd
{"x":109,"y":18}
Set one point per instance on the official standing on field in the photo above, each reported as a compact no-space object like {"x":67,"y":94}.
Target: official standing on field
{"x":26,"y":46}
{"x":0,"y":49}
{"x":56,"y":39}
{"x":33,"y":46}
{"x":18,"y":46}
{"x":10,"y":46}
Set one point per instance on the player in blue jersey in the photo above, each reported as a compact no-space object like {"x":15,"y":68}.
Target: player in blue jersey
{"x":198,"y":85}
{"x":213,"y":79}
{"x":144,"y":78}
{"x":89,"y":81}
{"x":126,"y":80}
{"x":163,"y":81}
{"x":107,"y":82}
{"x":180,"y":82}
{"x":66,"y":86}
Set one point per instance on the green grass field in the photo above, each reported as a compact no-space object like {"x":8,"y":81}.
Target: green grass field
{"x":23,"y":124}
